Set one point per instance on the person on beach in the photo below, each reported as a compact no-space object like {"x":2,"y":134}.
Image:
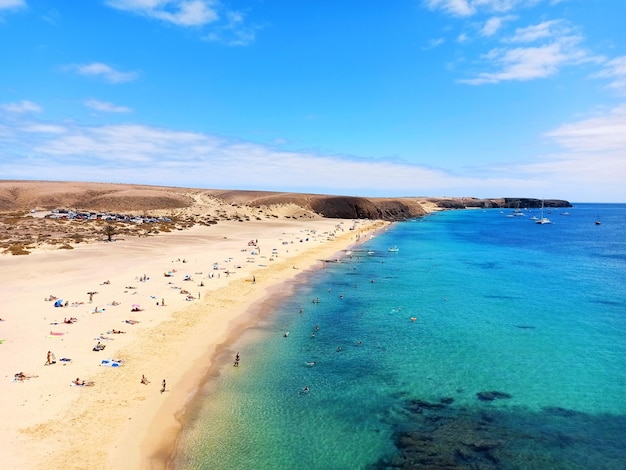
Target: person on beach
{"x":49,"y":358}
{"x":163,"y":386}
{"x":236,"y":364}
{"x":145,"y":381}
{"x":78,"y":382}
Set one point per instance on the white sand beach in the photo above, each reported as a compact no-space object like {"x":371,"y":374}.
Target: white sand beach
{"x":208,"y":279}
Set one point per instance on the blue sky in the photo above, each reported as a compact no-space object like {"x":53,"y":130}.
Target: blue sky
{"x":485,"y":98}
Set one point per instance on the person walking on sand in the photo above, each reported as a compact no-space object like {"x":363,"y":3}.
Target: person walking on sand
{"x":49,"y":358}
{"x":163,"y":386}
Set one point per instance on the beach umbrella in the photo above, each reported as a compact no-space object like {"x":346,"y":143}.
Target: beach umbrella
{"x":58,"y":303}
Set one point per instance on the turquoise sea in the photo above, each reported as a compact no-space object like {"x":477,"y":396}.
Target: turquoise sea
{"x":406,"y":343}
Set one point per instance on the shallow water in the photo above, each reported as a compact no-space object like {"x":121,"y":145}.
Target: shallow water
{"x":536,"y":312}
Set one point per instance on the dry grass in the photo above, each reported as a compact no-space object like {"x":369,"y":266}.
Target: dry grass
{"x":186,"y":207}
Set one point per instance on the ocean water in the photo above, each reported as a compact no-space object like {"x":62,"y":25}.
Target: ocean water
{"x":405,"y":342}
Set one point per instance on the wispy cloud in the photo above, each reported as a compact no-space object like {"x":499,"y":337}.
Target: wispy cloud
{"x":11,"y":4}
{"x":216,"y":22}
{"x":614,"y":69}
{"x":598,"y":134}
{"x":559,"y":46}
{"x":177,"y":12}
{"x":472,"y":7}
{"x":452,"y":7}
{"x":106,"y":107}
{"x":151,"y":155}
{"x":234,"y":31}
{"x":21,"y":107}
{"x":434,"y":43}
{"x":546,"y":29}
{"x":592,"y":155}
{"x":143,"y":154}
{"x":104,"y":71}
{"x":494,"y":24}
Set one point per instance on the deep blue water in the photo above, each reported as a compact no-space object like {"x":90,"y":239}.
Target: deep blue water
{"x":473,"y":301}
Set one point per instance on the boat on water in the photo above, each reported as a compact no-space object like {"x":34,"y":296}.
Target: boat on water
{"x":393,"y":249}
{"x":543,"y":220}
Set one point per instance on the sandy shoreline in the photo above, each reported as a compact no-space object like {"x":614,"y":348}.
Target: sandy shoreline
{"x":119,"y":422}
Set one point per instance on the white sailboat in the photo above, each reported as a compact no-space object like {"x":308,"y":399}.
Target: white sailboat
{"x":543,"y":220}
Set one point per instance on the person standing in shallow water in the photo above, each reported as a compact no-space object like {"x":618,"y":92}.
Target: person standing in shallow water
{"x":236,"y":364}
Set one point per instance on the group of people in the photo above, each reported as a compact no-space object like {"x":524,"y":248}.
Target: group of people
{"x":145,"y":381}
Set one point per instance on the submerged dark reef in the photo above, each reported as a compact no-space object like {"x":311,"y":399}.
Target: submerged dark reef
{"x":440,"y":435}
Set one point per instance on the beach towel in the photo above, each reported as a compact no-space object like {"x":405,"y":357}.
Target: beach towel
{"x":111,"y":363}
{"x":65,"y":359}
{"x":53,"y":333}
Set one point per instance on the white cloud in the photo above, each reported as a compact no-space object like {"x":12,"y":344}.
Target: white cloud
{"x":597,"y":134}
{"x":591,"y":165}
{"x":433,"y":43}
{"x":494,"y":24}
{"x":591,"y":161}
{"x":527,"y":63}
{"x":8,"y":4}
{"x":532,"y":33}
{"x":472,"y":7}
{"x":233,"y":31}
{"x":177,"y":12}
{"x":616,"y":70}
{"x":106,"y":107}
{"x":42,"y":128}
{"x":453,"y":7}
{"x":108,"y":73}
{"x":142,"y":154}
{"x":21,"y":108}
